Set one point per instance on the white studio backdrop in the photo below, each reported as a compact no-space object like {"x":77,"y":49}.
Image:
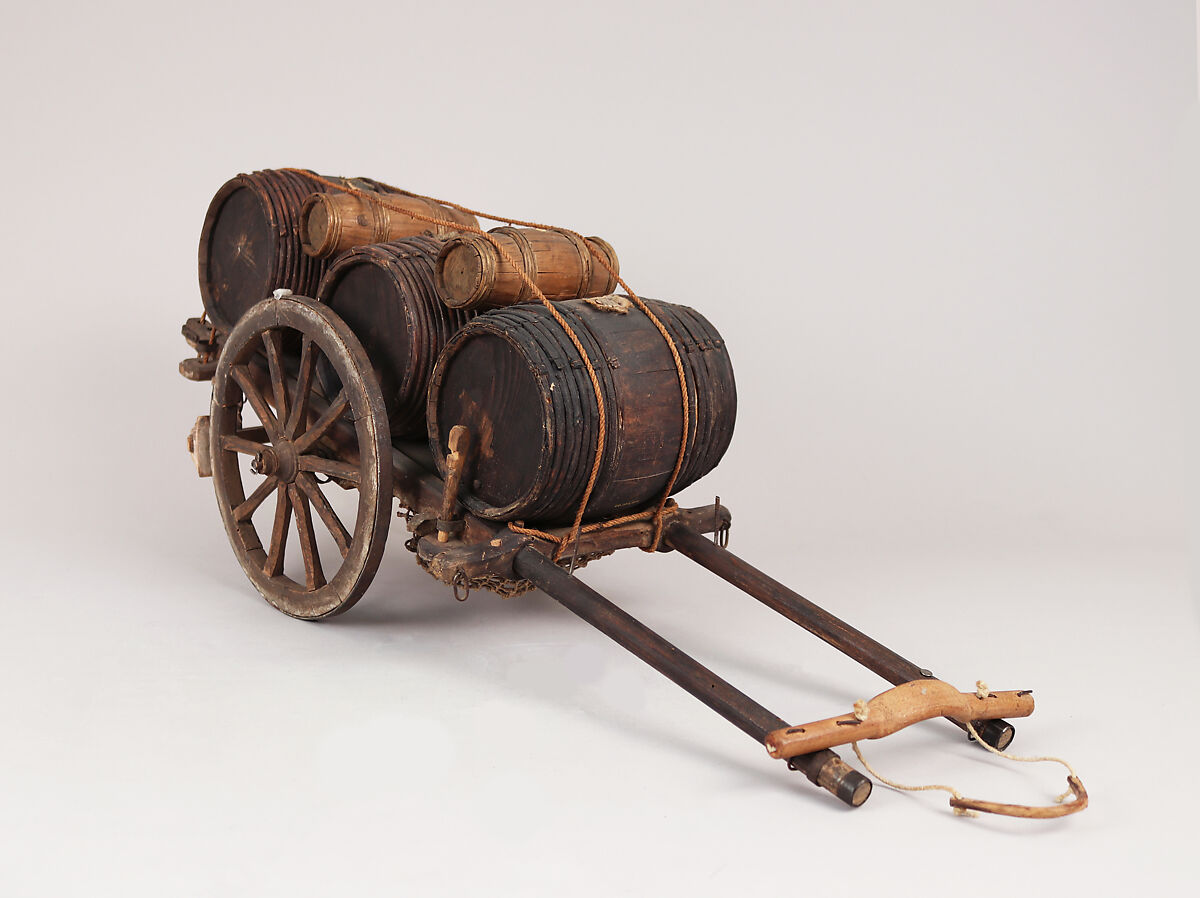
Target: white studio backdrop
{"x":951,"y":247}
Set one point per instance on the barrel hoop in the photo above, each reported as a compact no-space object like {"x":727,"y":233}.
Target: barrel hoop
{"x":585,"y":260}
{"x":573,"y":537}
{"x":408,"y":263}
{"x":613,"y":265}
{"x":381,"y":224}
{"x":528,"y":261}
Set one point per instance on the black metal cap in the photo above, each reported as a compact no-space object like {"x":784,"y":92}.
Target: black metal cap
{"x":996,"y":733}
{"x":836,"y":776}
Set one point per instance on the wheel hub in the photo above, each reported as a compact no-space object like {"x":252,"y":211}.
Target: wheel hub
{"x":279,"y":460}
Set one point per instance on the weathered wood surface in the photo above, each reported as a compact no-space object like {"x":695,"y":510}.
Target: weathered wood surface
{"x":290,"y":448}
{"x":447,"y":523}
{"x":331,"y":223}
{"x":1048,"y":812}
{"x":478,"y":555}
{"x":386,"y":294}
{"x":250,"y":245}
{"x":891,"y":711}
{"x":824,"y":767}
{"x":471,"y":273}
{"x":198,"y":369}
{"x":851,"y":642}
{"x":515,"y":379}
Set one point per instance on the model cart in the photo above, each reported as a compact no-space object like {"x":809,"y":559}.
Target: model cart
{"x":366,"y":342}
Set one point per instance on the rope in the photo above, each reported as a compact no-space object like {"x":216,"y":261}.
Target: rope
{"x":656,"y":514}
{"x":541,"y":297}
{"x":675,"y":357}
{"x":895,"y":785}
{"x":577,"y":528}
{"x":981,"y":689}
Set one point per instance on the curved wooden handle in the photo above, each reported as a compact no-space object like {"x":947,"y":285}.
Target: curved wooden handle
{"x":895,"y":709}
{"x":1024,"y":810}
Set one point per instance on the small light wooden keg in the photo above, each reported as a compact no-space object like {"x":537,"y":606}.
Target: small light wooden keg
{"x":331,"y":223}
{"x":471,"y":274}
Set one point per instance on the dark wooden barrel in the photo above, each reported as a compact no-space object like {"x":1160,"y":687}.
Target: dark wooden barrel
{"x":515,"y":379}
{"x":386,"y":294}
{"x":472,"y":275}
{"x":250,"y":243}
{"x":331,"y":223}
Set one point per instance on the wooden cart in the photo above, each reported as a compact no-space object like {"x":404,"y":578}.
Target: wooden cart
{"x":280,"y":360}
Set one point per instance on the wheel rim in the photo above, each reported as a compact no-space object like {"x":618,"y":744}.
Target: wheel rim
{"x":268,"y":365}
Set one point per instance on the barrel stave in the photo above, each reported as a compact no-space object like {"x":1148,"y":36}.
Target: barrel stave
{"x":249,"y":244}
{"x":536,"y":448}
{"x":385,"y":293}
{"x":333,"y":223}
{"x":473,"y":273}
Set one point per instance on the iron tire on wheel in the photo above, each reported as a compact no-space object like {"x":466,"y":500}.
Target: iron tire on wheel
{"x":269,"y":363}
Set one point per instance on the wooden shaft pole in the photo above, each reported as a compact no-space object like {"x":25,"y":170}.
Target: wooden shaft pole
{"x":846,"y":639}
{"x":824,"y":768}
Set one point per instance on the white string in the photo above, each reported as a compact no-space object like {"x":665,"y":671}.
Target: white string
{"x":862,"y":712}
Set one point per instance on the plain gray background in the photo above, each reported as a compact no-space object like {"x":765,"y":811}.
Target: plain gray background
{"x":952,"y":249}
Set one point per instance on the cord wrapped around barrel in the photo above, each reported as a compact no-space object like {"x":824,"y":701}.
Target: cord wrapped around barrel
{"x":472,"y":274}
{"x":514,"y":378}
{"x":250,"y":245}
{"x":386,"y":294}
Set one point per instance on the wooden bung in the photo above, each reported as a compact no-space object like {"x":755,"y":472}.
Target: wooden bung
{"x":894,"y":710}
{"x":331,"y":223}
{"x":471,"y":273}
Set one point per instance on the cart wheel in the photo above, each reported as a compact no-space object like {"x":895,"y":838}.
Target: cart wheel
{"x":268,"y":363}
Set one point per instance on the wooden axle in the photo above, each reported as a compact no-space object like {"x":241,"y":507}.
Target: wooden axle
{"x":891,"y":711}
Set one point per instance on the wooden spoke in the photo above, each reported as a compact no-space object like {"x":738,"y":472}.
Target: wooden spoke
{"x":330,"y":468}
{"x":299,"y":409}
{"x":240,"y":444}
{"x":336,"y":409}
{"x":283,"y":516}
{"x":308,"y":540}
{"x":243,"y":511}
{"x":273,"y":341}
{"x":241,"y":374}
{"x":272,"y":362}
{"x":308,"y":484}
{"x":257,"y":434}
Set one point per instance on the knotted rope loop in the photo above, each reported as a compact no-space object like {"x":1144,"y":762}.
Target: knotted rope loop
{"x":969,"y":807}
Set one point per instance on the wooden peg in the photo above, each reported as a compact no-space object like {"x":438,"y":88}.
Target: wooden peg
{"x":456,"y":460}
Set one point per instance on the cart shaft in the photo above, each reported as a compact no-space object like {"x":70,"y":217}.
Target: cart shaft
{"x":846,"y":639}
{"x":824,"y":768}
